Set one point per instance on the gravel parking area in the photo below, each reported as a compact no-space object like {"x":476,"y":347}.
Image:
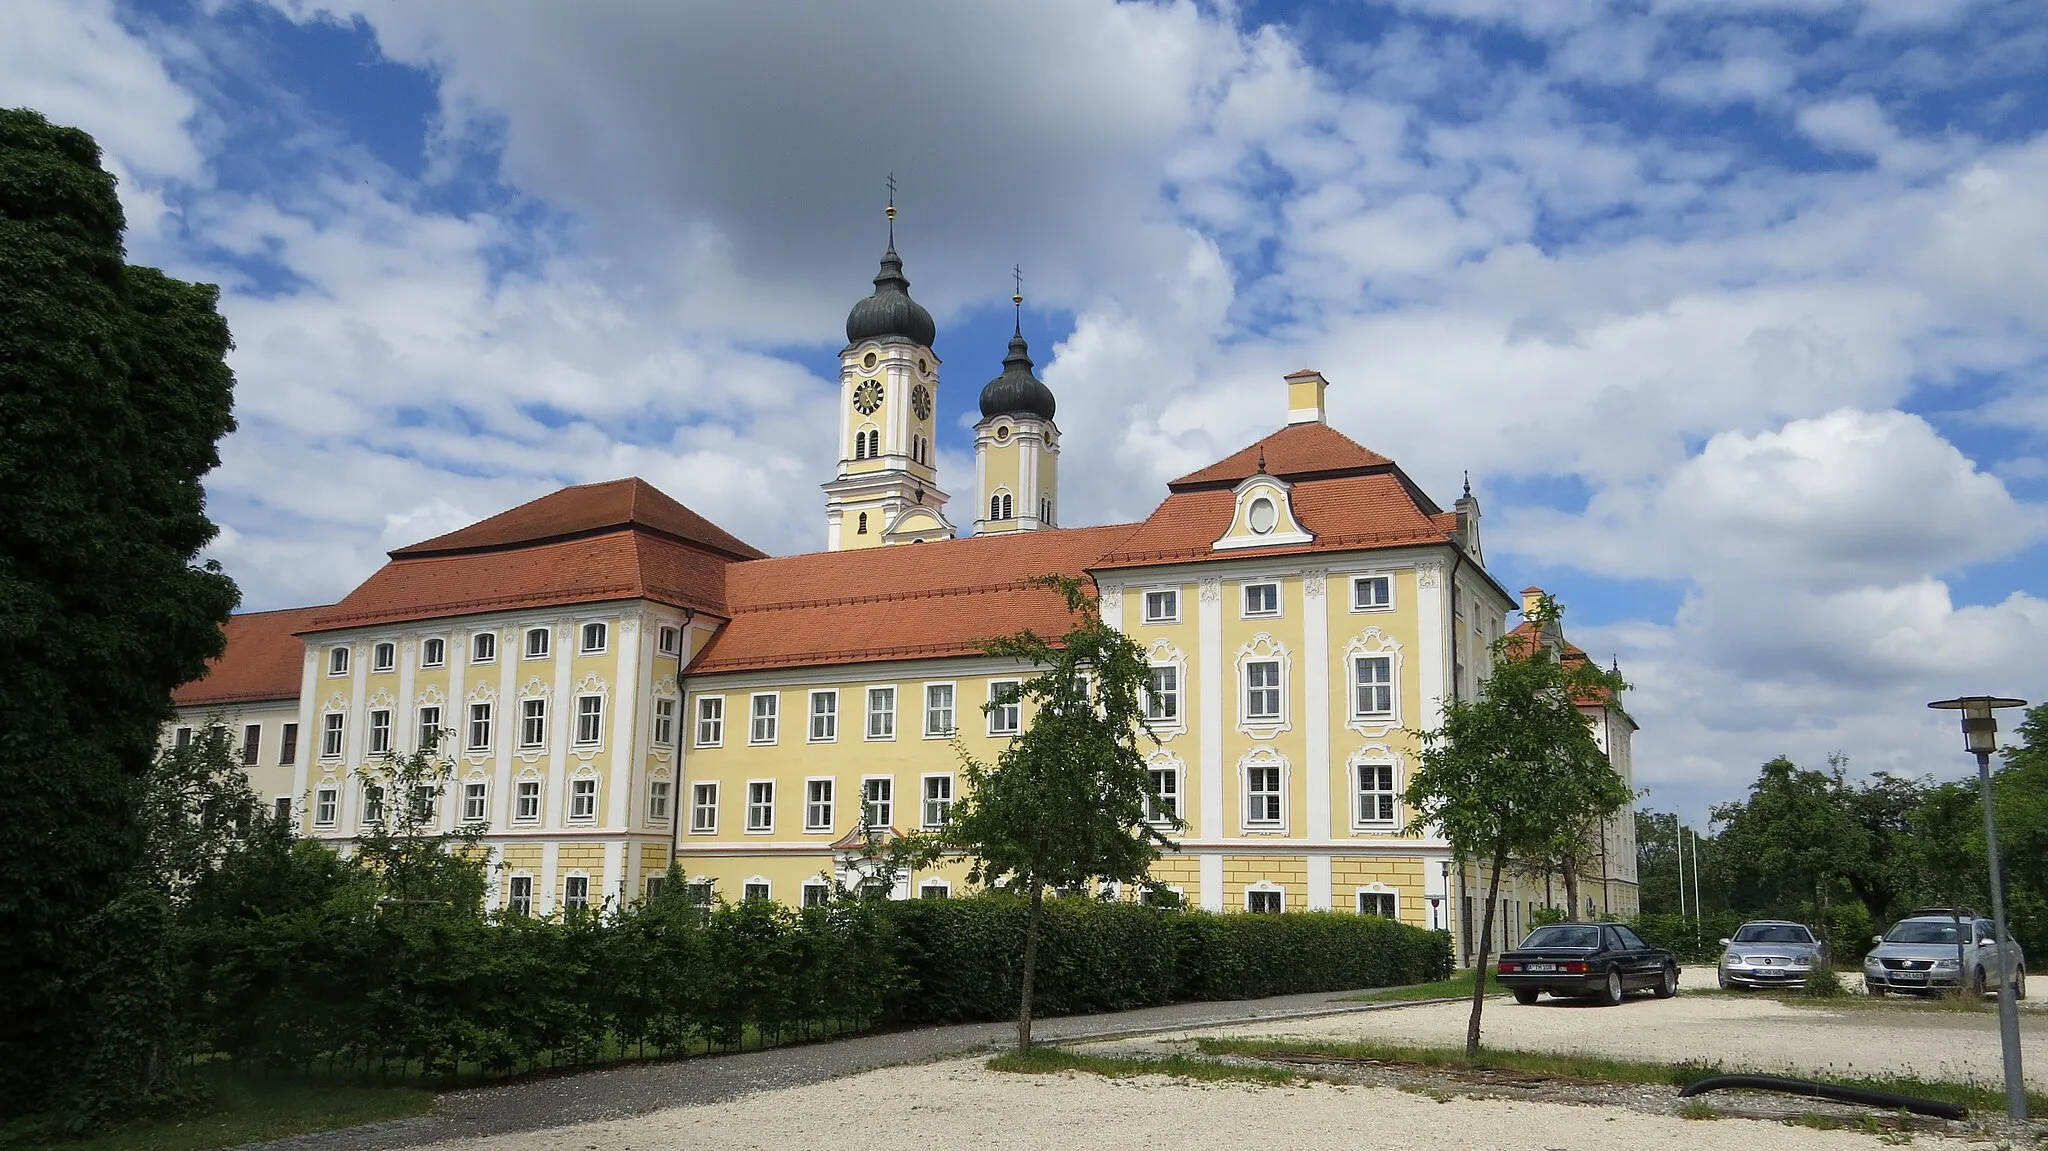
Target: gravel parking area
{"x":943,"y":1106}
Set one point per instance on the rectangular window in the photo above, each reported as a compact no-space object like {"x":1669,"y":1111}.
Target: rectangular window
{"x":701,"y":893}
{"x":596,"y":637}
{"x":324,"y":806}
{"x":938,"y":709}
{"x":765,"y":712}
{"x":582,"y":799}
{"x":1163,"y":805}
{"x":519,"y":896}
{"x":1380,"y":903}
{"x":1262,"y":796}
{"x":881,"y":713}
{"x":664,"y":721}
{"x":754,"y":890}
{"x":1162,"y":606}
{"x":589,"y":719}
{"x":761,"y":805}
{"x":424,"y":798}
{"x":430,"y":727}
{"x":1373,"y":693}
{"x":433,"y":652}
{"x":380,"y":730}
{"x":537,"y":643}
{"x":657,"y":800}
{"x":710,"y":720}
{"x":1262,"y":599}
{"x":384,"y":657}
{"x":818,"y":805}
{"x":1372,"y":593}
{"x":654,"y":885}
{"x":938,"y":801}
{"x":337,"y":661}
{"x":182,"y":737}
{"x":934,"y":889}
{"x":373,"y":804}
{"x":1262,"y":689}
{"x":824,"y":716}
{"x":283,"y":811}
{"x":479,"y":726}
{"x":533,"y":722}
{"x":576,"y":893}
{"x":331,"y":726}
{"x":1376,"y":795}
{"x":483,"y":647}
{"x":526,"y":806}
{"x":474,"y":809}
{"x":288,"y":745}
{"x":1162,"y":695}
{"x":1005,"y":717}
{"x":252,"y":744}
{"x":878,"y":802}
{"x":704,"y":808}
{"x":1262,"y":902}
{"x":669,"y":640}
{"x":817,"y":894}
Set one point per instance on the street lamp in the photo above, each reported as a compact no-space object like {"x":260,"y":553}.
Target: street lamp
{"x":1980,"y":738}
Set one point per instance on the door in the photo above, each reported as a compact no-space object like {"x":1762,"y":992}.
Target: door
{"x":1641,"y":964}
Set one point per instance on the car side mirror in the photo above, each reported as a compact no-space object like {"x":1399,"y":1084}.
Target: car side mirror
{"x":1877,"y":939}
{"x":1724,"y":943}
{"x":1986,"y":942}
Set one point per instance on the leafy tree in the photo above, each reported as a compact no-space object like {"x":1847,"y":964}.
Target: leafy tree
{"x":113,"y":395}
{"x":1064,"y":803}
{"x":1515,"y":771}
{"x":1657,"y":863}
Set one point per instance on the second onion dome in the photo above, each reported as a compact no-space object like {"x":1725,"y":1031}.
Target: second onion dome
{"x":1017,"y":392}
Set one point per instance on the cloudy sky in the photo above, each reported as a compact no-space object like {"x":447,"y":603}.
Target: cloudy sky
{"x":1736,"y":310}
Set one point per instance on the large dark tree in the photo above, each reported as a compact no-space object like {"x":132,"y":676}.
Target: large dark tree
{"x":113,"y":395}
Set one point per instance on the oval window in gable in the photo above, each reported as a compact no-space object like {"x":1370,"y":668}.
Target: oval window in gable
{"x":1262,"y":515}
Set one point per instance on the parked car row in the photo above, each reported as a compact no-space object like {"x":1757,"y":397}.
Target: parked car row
{"x":1937,"y":948}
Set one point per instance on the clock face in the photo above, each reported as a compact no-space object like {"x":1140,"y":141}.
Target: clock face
{"x":921,"y":401}
{"x":867,"y":397}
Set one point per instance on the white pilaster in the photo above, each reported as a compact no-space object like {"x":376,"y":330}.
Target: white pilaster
{"x":544,"y":899}
{"x":614,"y":872}
{"x":625,"y":727}
{"x":1315,"y":662}
{"x":309,"y":737}
{"x":1209,"y":660}
{"x":1433,"y":629}
{"x":505,"y":725}
{"x":561,"y":722}
{"x":1212,"y":881}
{"x":1319,"y":898}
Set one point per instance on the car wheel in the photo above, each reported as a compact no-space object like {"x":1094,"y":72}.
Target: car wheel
{"x":1525,"y":995}
{"x":1667,"y":983}
{"x":1721,"y":978}
{"x":2019,"y":983}
{"x":1977,"y":983}
{"x":1873,"y":990}
{"x":1610,"y":992}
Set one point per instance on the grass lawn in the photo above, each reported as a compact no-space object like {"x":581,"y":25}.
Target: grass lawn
{"x":1458,"y":986}
{"x":248,"y":1109}
{"x":1052,"y":1060}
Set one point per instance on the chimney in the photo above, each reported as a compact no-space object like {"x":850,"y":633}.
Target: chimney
{"x":1530,"y":595}
{"x":1305,"y":397}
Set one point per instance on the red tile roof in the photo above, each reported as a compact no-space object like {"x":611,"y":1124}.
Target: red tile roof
{"x":585,"y":510}
{"x":1349,"y":513}
{"x":263,"y":660}
{"x":1294,"y":452}
{"x":1524,"y":634}
{"x":910,"y":601}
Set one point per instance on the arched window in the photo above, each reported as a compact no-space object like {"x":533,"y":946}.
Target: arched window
{"x":863,"y":529}
{"x":1008,"y":511}
{"x":995,"y":507}
{"x":860,"y":445}
{"x":874,"y":444}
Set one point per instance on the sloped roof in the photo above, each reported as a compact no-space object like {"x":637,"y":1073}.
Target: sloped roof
{"x":584,"y":510}
{"x":910,"y":601}
{"x":1347,"y":513}
{"x":263,"y":660}
{"x":1524,"y":635}
{"x":1297,"y":451}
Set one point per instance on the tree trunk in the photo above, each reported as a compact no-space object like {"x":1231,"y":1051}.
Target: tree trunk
{"x":1030,"y":964}
{"x":1500,"y":862}
{"x":1571,"y":891}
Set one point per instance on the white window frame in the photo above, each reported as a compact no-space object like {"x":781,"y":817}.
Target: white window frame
{"x":1360,"y":580}
{"x":1256,"y":693}
{"x":951,"y":709}
{"x":926,"y":802}
{"x":700,"y":721}
{"x":333,"y":734}
{"x":757,"y":733}
{"x":1263,"y":648}
{"x":252,"y":744}
{"x":533,"y":722}
{"x":429,"y":722}
{"x":1173,"y":769}
{"x":823,"y":894}
{"x":384,"y":656}
{"x":380,"y":731}
{"x":1178,"y":720}
{"x":287,"y":744}
{"x":704,"y":802}
{"x":604,"y":638}
{"x":489,"y":721}
{"x":757,"y":887}
{"x":1377,"y":891}
{"x":374,"y":811}
{"x":547,"y":642}
{"x":872,"y":713}
{"x":328,"y":800}
{"x":1013,"y":709}
{"x":1164,"y":617}
{"x":583,"y":795}
{"x":668,"y":640}
{"x":1360,"y":819}
{"x":663,"y":728}
{"x":830,"y":732}
{"x":1352,"y":661}
{"x":943,"y":887}
{"x":766,"y":825}
{"x":476,"y":801}
{"x":1263,"y":759}
{"x":483,"y":647}
{"x":1266,"y":887}
{"x":589,"y":720}
{"x":887,"y":803}
{"x":517,"y":901}
{"x":820,"y":812}
{"x":571,"y":899}
{"x":337,"y":661}
{"x":429,"y":647}
{"x":1244,"y":599}
{"x":526,"y":799}
{"x":660,"y":799}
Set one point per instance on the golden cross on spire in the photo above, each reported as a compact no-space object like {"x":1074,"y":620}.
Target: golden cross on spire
{"x":890,"y":211}
{"x":1017,"y":295}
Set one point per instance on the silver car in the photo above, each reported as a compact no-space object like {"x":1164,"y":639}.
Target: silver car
{"x":1939,"y":948}
{"x":1770,"y":953}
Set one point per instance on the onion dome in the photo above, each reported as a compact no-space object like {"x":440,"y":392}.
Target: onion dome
{"x":1017,"y":392}
{"x":890,"y":311}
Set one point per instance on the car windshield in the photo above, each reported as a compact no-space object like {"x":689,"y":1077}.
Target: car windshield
{"x":1562,"y":936}
{"x":1773,"y":933}
{"x":1922,"y":931}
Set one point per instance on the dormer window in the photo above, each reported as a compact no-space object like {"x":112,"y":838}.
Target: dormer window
{"x":1263,"y":516}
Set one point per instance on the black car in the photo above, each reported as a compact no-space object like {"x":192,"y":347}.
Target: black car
{"x":1602,"y":961}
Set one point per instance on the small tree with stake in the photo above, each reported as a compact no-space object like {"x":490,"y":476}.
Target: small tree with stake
{"x":1064,"y":803}
{"x":1516,"y":771}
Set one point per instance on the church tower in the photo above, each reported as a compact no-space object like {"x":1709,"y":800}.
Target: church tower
{"x":1016,"y":446}
{"x":886,"y":490}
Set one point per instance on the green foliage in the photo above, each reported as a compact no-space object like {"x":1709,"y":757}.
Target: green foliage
{"x":113,"y":394}
{"x":1823,"y":983}
{"x":1695,"y":942}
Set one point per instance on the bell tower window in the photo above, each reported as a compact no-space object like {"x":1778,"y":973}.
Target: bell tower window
{"x":863,"y":528}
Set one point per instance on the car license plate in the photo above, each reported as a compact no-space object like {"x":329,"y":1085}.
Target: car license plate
{"x":1909,"y":976}
{"x":1542,"y":967}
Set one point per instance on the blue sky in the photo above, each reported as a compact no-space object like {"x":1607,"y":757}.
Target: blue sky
{"x":1735,"y":311}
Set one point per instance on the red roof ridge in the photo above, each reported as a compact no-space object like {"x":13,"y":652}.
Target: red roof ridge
{"x":585,"y":510}
{"x":1297,"y":451}
{"x":262,"y":660}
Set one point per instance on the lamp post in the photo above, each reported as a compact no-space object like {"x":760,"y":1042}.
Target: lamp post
{"x":1980,"y":738}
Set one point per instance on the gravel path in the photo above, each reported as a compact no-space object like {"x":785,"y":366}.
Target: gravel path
{"x":636,"y":1089}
